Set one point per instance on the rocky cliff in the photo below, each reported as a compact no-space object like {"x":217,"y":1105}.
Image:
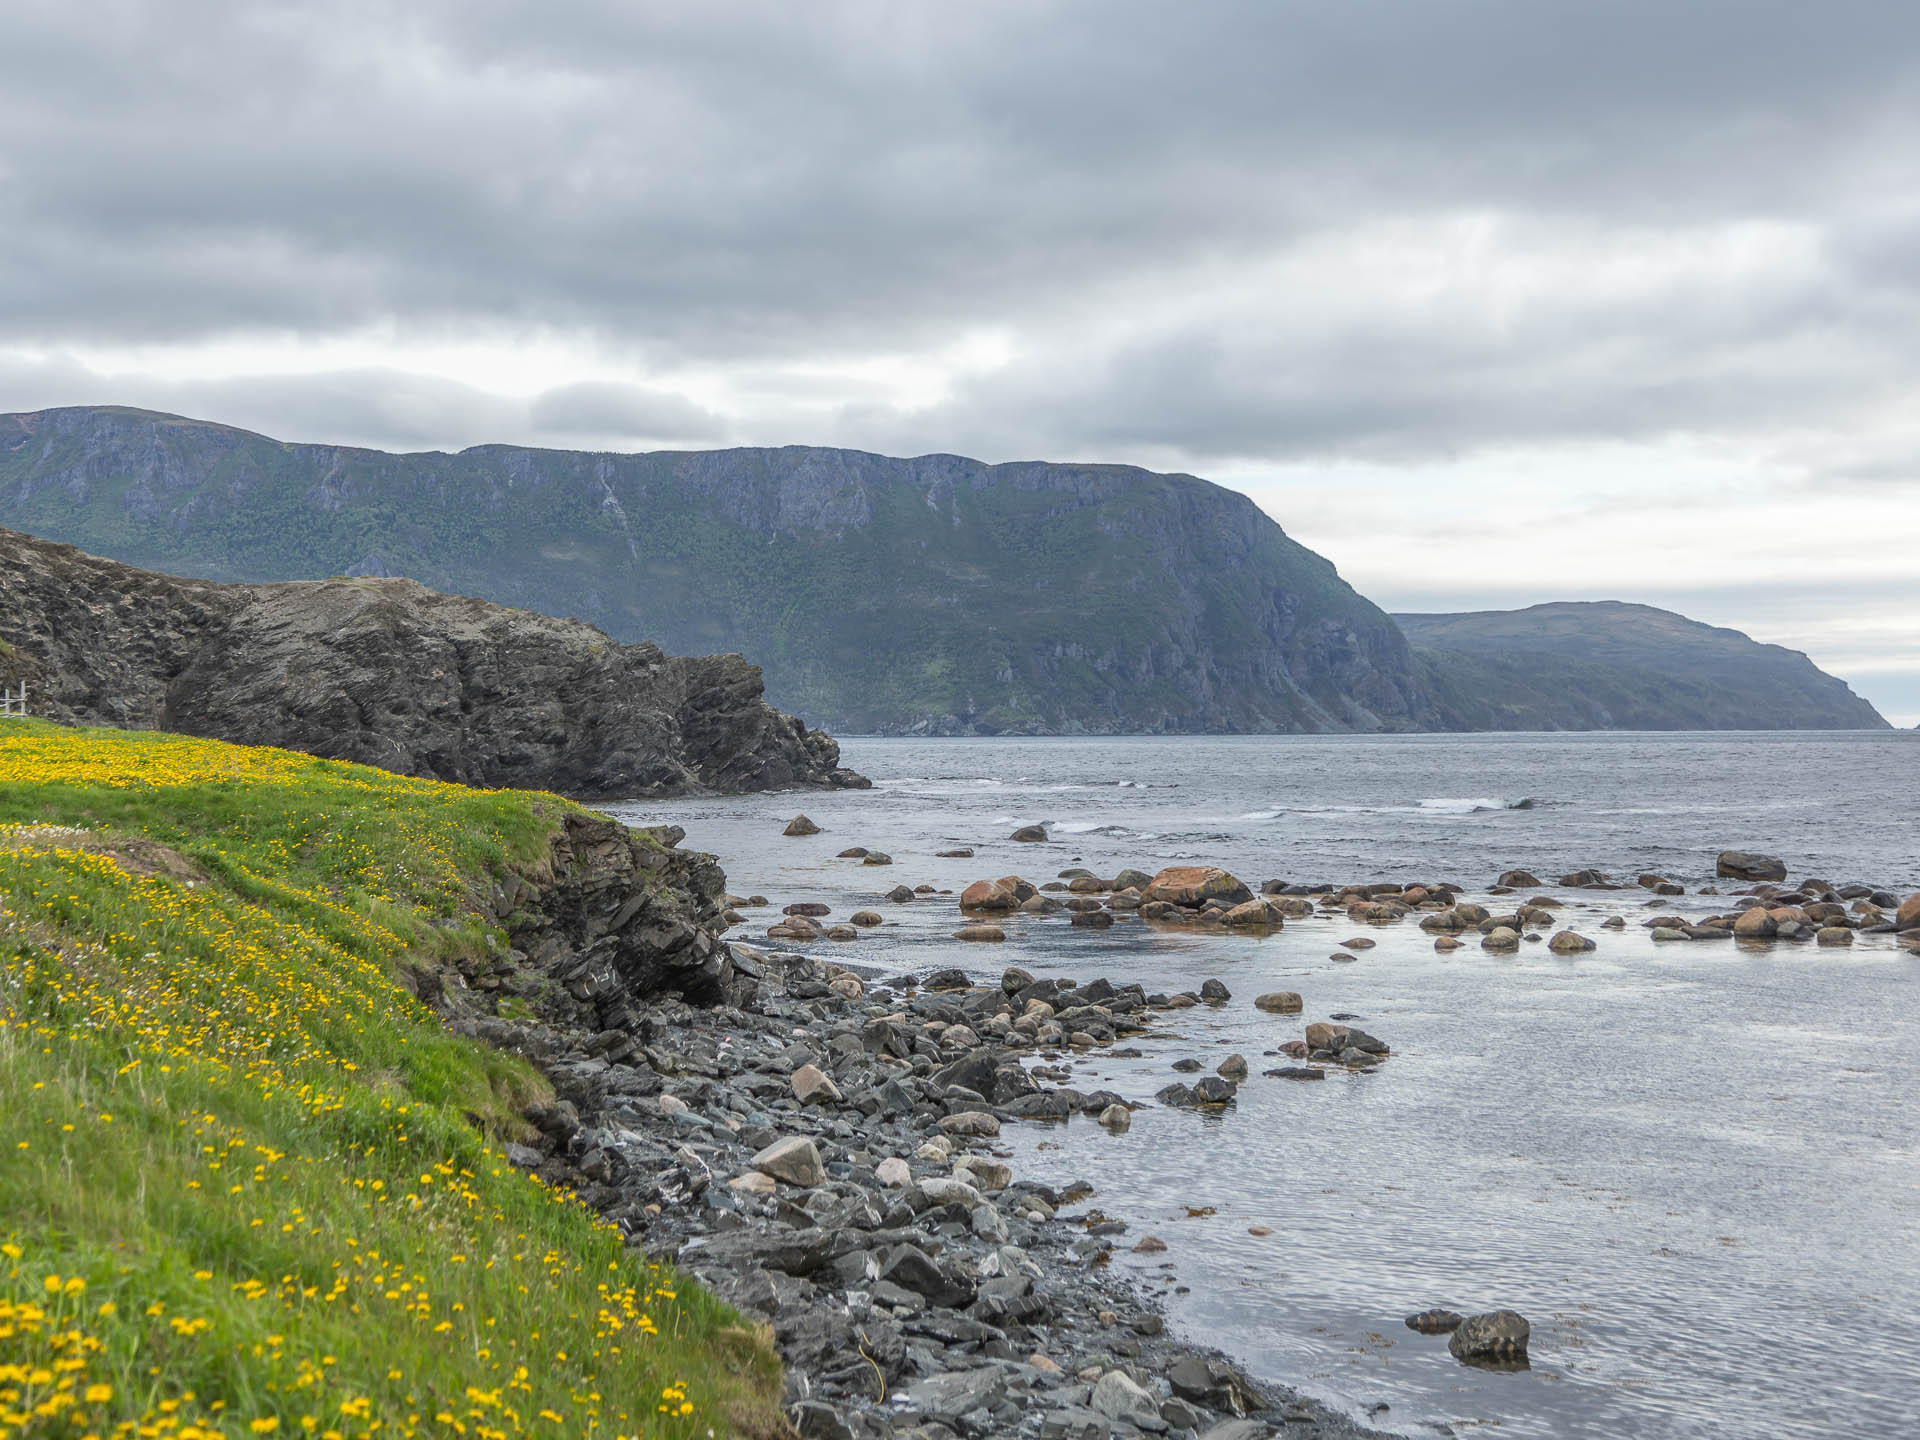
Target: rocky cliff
{"x":1606,"y":665}
{"x":935,"y":594}
{"x":389,"y":673}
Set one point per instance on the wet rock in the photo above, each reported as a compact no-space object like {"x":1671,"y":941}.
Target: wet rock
{"x":796,"y":927}
{"x":795,"y":1160}
{"x":1588,"y":880}
{"x":853,"y":852}
{"x":1214,"y":990}
{"x":1093,"y":919}
{"x":1435,"y":1322}
{"x":1501,"y":937}
{"x":1907,"y":917}
{"x":1279,"y":1002}
{"x":1519,"y":880}
{"x":1030,"y":834}
{"x":876,"y":857}
{"x":866,"y":918}
{"x":1132,"y":880}
{"x":1833,"y":935}
{"x":1745,"y":865}
{"x":987,"y":895}
{"x":1192,"y":885}
{"x":801,"y":825}
{"x":1117,"y":1118}
{"x":1295,"y":1072}
{"x":1234,"y":1067}
{"x":1755,"y":924}
{"x":950,"y":979}
{"x":1569,"y":943}
{"x":1254,"y":913}
{"x":1497,"y":1335}
{"x":965,"y":852}
{"x":900,"y":895}
{"x":844,"y":932}
{"x":989,"y":933}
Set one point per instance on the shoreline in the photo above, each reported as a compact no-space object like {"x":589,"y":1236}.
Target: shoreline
{"x":903,"y":1286}
{"x":945,"y":1290}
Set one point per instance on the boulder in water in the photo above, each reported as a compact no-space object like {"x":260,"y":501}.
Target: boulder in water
{"x":1745,"y":865}
{"x":1498,"y":1336}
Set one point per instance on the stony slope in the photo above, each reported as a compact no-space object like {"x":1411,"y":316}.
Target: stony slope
{"x":932,"y":594}
{"x":1606,"y":665}
{"x":389,"y":673}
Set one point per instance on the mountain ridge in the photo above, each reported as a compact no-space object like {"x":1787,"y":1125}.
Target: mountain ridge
{"x":932,"y":595}
{"x":926,"y":595}
{"x":1614,"y":664}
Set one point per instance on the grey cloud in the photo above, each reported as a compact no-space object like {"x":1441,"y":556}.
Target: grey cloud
{"x":379,"y":408}
{"x":760,"y":189}
{"x":607,"y":408}
{"x":750,"y":178}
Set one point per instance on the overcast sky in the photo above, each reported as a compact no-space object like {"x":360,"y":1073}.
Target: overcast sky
{"x":1490,"y":301}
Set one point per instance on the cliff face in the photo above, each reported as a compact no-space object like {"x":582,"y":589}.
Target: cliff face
{"x":1605,"y":665}
{"x":936,"y":594}
{"x":389,"y":673}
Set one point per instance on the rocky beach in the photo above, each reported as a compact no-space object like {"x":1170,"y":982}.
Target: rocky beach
{"x":830,"y":1145}
{"x":1212,"y":994}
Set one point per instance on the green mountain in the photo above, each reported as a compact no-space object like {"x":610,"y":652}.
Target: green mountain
{"x":930,"y":595}
{"x":934,"y":594}
{"x":1605,"y":665}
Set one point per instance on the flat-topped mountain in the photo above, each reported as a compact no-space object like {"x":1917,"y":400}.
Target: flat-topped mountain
{"x":931,"y":595}
{"x":392,"y":674}
{"x":935,"y":594}
{"x":1607,"y":665}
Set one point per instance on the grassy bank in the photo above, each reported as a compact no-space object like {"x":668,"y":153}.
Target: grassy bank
{"x":249,"y":1185}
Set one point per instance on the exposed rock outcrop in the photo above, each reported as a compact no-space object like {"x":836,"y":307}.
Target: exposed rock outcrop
{"x":392,"y":674}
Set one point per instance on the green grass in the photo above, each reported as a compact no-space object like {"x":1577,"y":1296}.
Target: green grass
{"x":249,"y":1185}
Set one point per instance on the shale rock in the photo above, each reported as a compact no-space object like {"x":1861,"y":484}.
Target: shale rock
{"x":795,"y":1160}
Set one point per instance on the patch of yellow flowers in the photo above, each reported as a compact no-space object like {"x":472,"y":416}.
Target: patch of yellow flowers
{"x":206,"y":1019}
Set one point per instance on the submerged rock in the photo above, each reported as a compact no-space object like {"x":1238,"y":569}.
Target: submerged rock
{"x":1497,"y":1335}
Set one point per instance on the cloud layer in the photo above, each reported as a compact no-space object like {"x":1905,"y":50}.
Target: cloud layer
{"x":1371,"y":261}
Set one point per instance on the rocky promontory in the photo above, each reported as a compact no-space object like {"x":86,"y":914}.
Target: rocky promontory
{"x":389,"y":673}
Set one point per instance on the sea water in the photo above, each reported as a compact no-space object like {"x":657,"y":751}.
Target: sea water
{"x":1695,"y":1168}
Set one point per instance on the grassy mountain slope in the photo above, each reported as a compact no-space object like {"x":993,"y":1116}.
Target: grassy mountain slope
{"x":1605,"y":665}
{"x":877,"y":593}
{"x":248,"y":1184}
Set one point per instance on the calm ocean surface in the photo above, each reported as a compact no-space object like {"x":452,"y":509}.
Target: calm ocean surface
{"x":1694,"y":1168}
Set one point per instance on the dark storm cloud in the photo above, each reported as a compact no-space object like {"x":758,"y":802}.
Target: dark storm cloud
{"x":734,"y":184}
